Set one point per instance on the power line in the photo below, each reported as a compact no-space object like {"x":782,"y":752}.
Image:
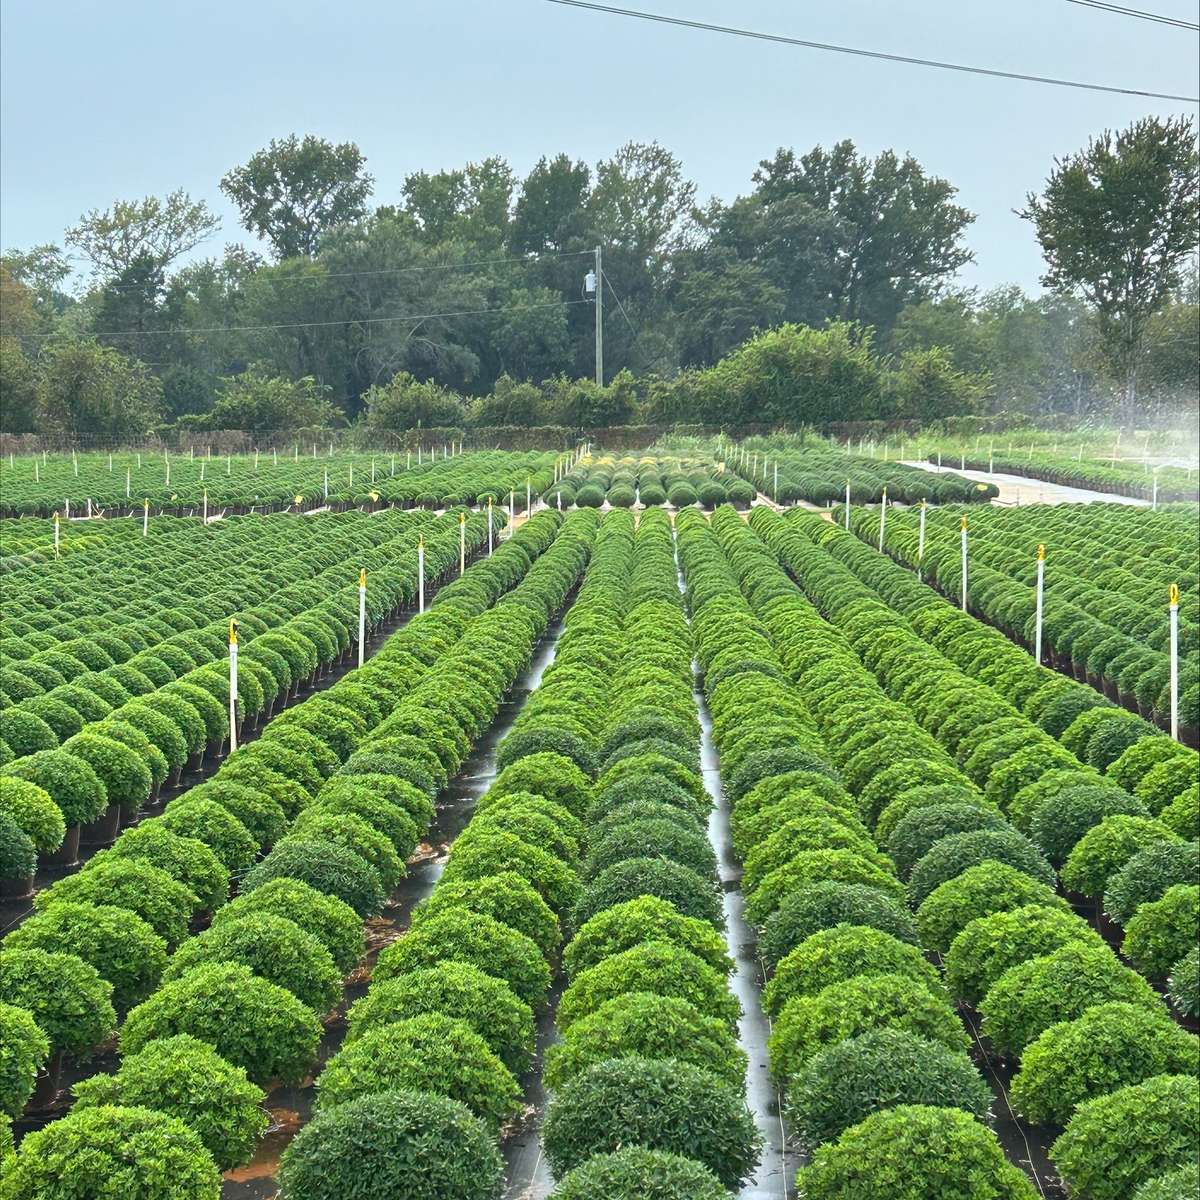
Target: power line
{"x":879,"y":54}
{"x":470,"y":312}
{"x":1141,"y":14}
{"x":321,"y":278}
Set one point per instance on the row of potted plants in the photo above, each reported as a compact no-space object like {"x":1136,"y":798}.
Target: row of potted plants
{"x":1106,"y":620}
{"x":335,"y":793}
{"x":83,"y":754}
{"x":269,"y":482}
{"x":1037,"y":973}
{"x":649,"y":480}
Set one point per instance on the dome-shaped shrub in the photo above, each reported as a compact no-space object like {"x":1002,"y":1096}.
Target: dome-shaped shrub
{"x":636,"y":1173}
{"x":644,"y":919}
{"x":331,"y":921}
{"x":26,"y":733}
{"x":206,"y":821}
{"x":249,"y":1021}
{"x":658,"y":1104}
{"x":824,"y":905}
{"x":640,"y":1024}
{"x":1117,"y":1142}
{"x":346,"y":829}
{"x":492,"y":852}
{"x":1107,"y":1047}
{"x":454,"y":989}
{"x":1184,"y":984}
{"x":658,"y":967}
{"x":691,"y":894}
{"x":18,"y":854}
{"x":462,"y":936}
{"x":69,"y":1001}
{"x":32,"y":810}
{"x":815,"y":866}
{"x":69,"y":781}
{"x":1181,"y":1184}
{"x":1162,"y":931}
{"x":837,"y":954}
{"x":185,"y":859}
{"x":990,"y":887}
{"x":429,"y":1053}
{"x":329,"y":868}
{"x":1148,"y":875}
{"x":955,"y":854}
{"x":1058,"y":824}
{"x":808,"y":1024}
{"x":392,"y":1144}
{"x":187,"y":1079}
{"x":163,"y":903}
{"x":687,"y":847}
{"x":124,"y":950}
{"x":988,"y":946}
{"x":1043,"y":991}
{"x":26,"y":1048}
{"x":1106,"y":848}
{"x":849,"y":1080}
{"x":89,"y":1150}
{"x":915,"y":1152}
{"x":505,"y":896}
{"x":274,"y":948}
{"x":917,"y":833}
{"x":125,"y":776}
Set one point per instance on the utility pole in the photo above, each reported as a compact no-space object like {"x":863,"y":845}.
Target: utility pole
{"x":599,"y":320}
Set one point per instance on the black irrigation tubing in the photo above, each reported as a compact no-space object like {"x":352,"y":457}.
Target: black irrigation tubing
{"x":13,"y":912}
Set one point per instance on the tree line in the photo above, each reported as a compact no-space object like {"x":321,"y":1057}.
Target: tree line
{"x":825,"y":292}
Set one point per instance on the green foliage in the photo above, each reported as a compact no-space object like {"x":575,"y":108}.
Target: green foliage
{"x":1106,"y":848}
{"x":690,"y":893}
{"x":1182,"y":1184}
{"x":1115,"y":1143}
{"x":492,"y":852}
{"x":125,"y":776}
{"x":659,"y":967}
{"x":1162,"y":931}
{"x":333,"y":869}
{"x":988,"y":946}
{"x":352,"y":832}
{"x":454,"y":989}
{"x":824,"y":905}
{"x":1057,"y":825}
{"x":124,"y":950}
{"x":658,"y":1104}
{"x":1031,"y":996}
{"x":634,"y":922}
{"x":429,"y":1053}
{"x":837,"y":954}
{"x":953,"y":855}
{"x":187,"y":1079}
{"x":186,"y":859}
{"x":208,"y":822}
{"x":147,"y":1155}
{"x":18,"y":854}
{"x":1148,"y":875}
{"x":26,"y":1048}
{"x":33,"y":812}
{"x":636,"y":1173}
{"x":252,"y":1023}
{"x":69,"y":781}
{"x":163,"y":903}
{"x":644,"y":1025}
{"x":390,"y":1144}
{"x":459,"y":935}
{"x":274,"y":948}
{"x":808,"y":1024}
{"x":987,"y":888}
{"x":506,"y":896}
{"x":67,"y":998}
{"x":1184,"y":984}
{"x":915,"y":1152}
{"x":331,"y":921}
{"x":851,"y":1079}
{"x":1109,"y":1046}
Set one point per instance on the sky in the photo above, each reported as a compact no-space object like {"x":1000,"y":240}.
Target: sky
{"x":121,"y":99}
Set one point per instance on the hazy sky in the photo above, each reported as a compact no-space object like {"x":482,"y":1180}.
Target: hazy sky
{"x":121,"y":99}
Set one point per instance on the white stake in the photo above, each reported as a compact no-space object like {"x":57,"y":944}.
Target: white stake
{"x":777,"y":483}
{"x":37,"y":474}
{"x":56,"y":534}
{"x":512,"y":510}
{"x":1174,"y":609}
{"x":1041,"y":586}
{"x":68,"y":508}
{"x":146,"y":517}
{"x":921,"y":540}
{"x":847,"y":504}
{"x":168,"y":479}
{"x":89,"y":507}
{"x":362,"y":613}
{"x":109,"y":461}
{"x":233,"y":649}
{"x":256,"y":459}
{"x":202,"y":466}
{"x":326,"y":485}
{"x":964,"y":564}
{"x":126,"y":483}
{"x":372,"y":470}
{"x":462,"y":542}
{"x":420,"y":573}
{"x":206,"y":506}
{"x":528,"y":494}
{"x":882,"y":518}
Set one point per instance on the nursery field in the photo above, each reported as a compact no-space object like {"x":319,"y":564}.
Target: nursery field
{"x":671,"y":840}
